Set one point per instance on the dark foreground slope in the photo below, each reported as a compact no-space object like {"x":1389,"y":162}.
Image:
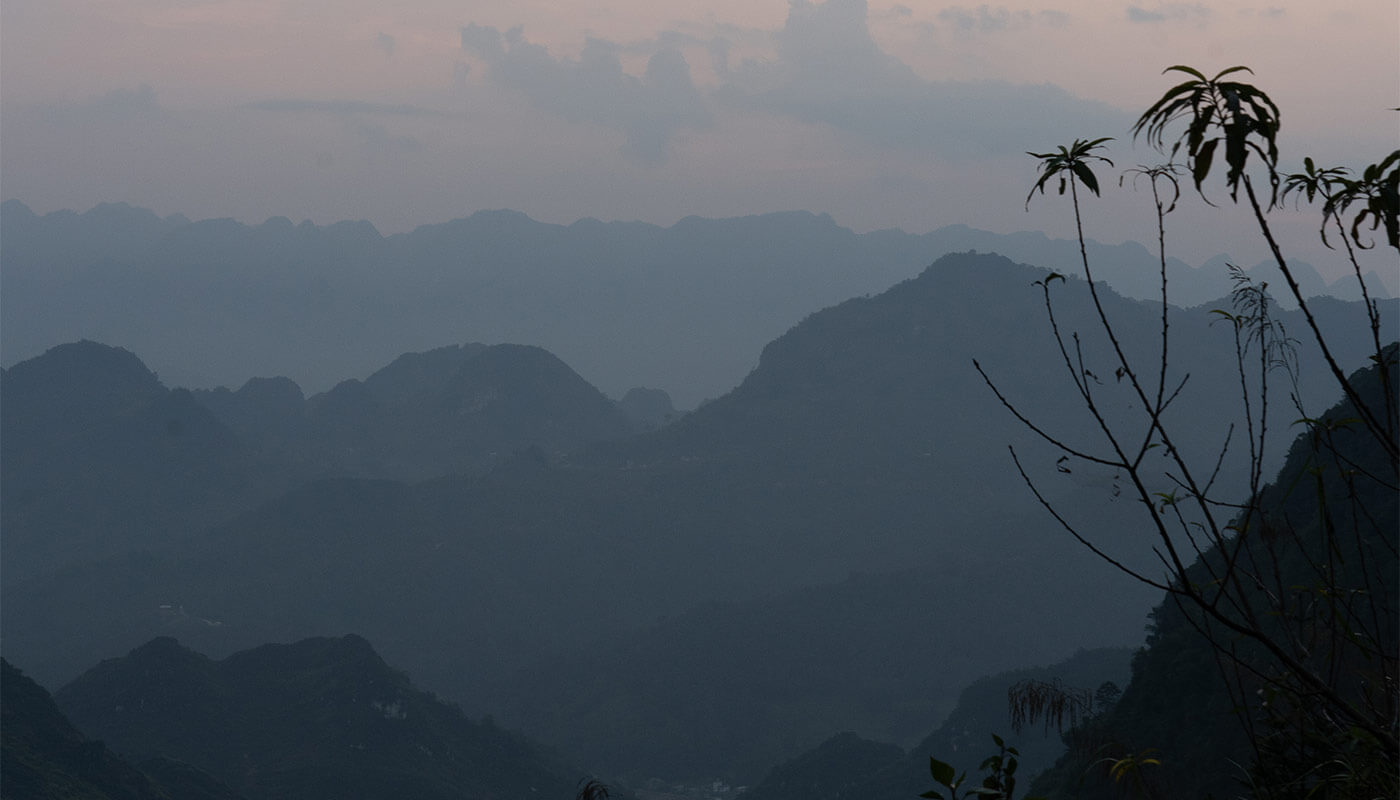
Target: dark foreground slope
{"x":43,"y":757}
{"x":322,"y":718}
{"x":1330,"y":524}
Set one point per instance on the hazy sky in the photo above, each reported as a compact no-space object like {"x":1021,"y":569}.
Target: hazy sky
{"x":886,"y":114}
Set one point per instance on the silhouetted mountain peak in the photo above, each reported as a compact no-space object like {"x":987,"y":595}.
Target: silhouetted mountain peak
{"x":415,"y":374}
{"x":72,"y":387}
{"x":351,"y":655}
{"x":114,"y":367}
{"x":319,"y":718}
{"x":164,"y":653}
{"x":14,"y":210}
{"x":272,"y":391}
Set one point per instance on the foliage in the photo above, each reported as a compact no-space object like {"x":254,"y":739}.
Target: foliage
{"x":1049,"y":701}
{"x":1070,"y":162}
{"x":1295,"y":599}
{"x":1241,"y":116}
{"x":999,"y":782}
{"x":592,"y":789}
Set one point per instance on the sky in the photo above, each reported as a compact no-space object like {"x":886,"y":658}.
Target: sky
{"x":909,"y":115}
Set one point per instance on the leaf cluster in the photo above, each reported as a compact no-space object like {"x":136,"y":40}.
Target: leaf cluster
{"x":999,"y":782}
{"x":1376,"y":191}
{"x":1240,"y":116}
{"x":1070,"y":162}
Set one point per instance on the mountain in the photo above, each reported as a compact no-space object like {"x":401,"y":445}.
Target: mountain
{"x":43,"y":756}
{"x":885,"y":655}
{"x":1328,"y":529}
{"x":100,"y":458}
{"x":865,"y":442}
{"x":321,"y":718}
{"x":848,"y":766}
{"x":648,"y":409}
{"x":448,"y":410}
{"x":683,"y":308}
{"x":103,"y":459}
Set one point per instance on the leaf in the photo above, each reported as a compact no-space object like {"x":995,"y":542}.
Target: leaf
{"x":1185,"y":69}
{"x":942,"y":773}
{"x":1200,"y":166}
{"x":1222,"y":73}
{"x":1086,"y":177}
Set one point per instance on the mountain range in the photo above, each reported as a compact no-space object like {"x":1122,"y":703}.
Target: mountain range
{"x":825,"y":543}
{"x":684,"y":308}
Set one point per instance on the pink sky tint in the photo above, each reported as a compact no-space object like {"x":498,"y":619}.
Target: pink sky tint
{"x":327,"y":109}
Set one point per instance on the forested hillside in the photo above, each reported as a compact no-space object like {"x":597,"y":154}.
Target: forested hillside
{"x":1331,"y":520}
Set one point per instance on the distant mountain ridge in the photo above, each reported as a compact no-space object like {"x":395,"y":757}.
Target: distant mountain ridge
{"x":683,"y":308}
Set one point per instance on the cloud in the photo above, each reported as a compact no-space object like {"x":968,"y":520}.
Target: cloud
{"x":825,"y":70}
{"x":1168,"y":11}
{"x":1136,"y":14}
{"x":141,"y":100}
{"x":379,"y":142}
{"x":118,"y":104}
{"x":385,"y":42}
{"x":345,"y":108}
{"x":648,"y":110}
{"x":829,"y":71}
{"x":986,"y":19}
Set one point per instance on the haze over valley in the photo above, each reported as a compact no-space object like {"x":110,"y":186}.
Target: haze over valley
{"x":811,"y":400}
